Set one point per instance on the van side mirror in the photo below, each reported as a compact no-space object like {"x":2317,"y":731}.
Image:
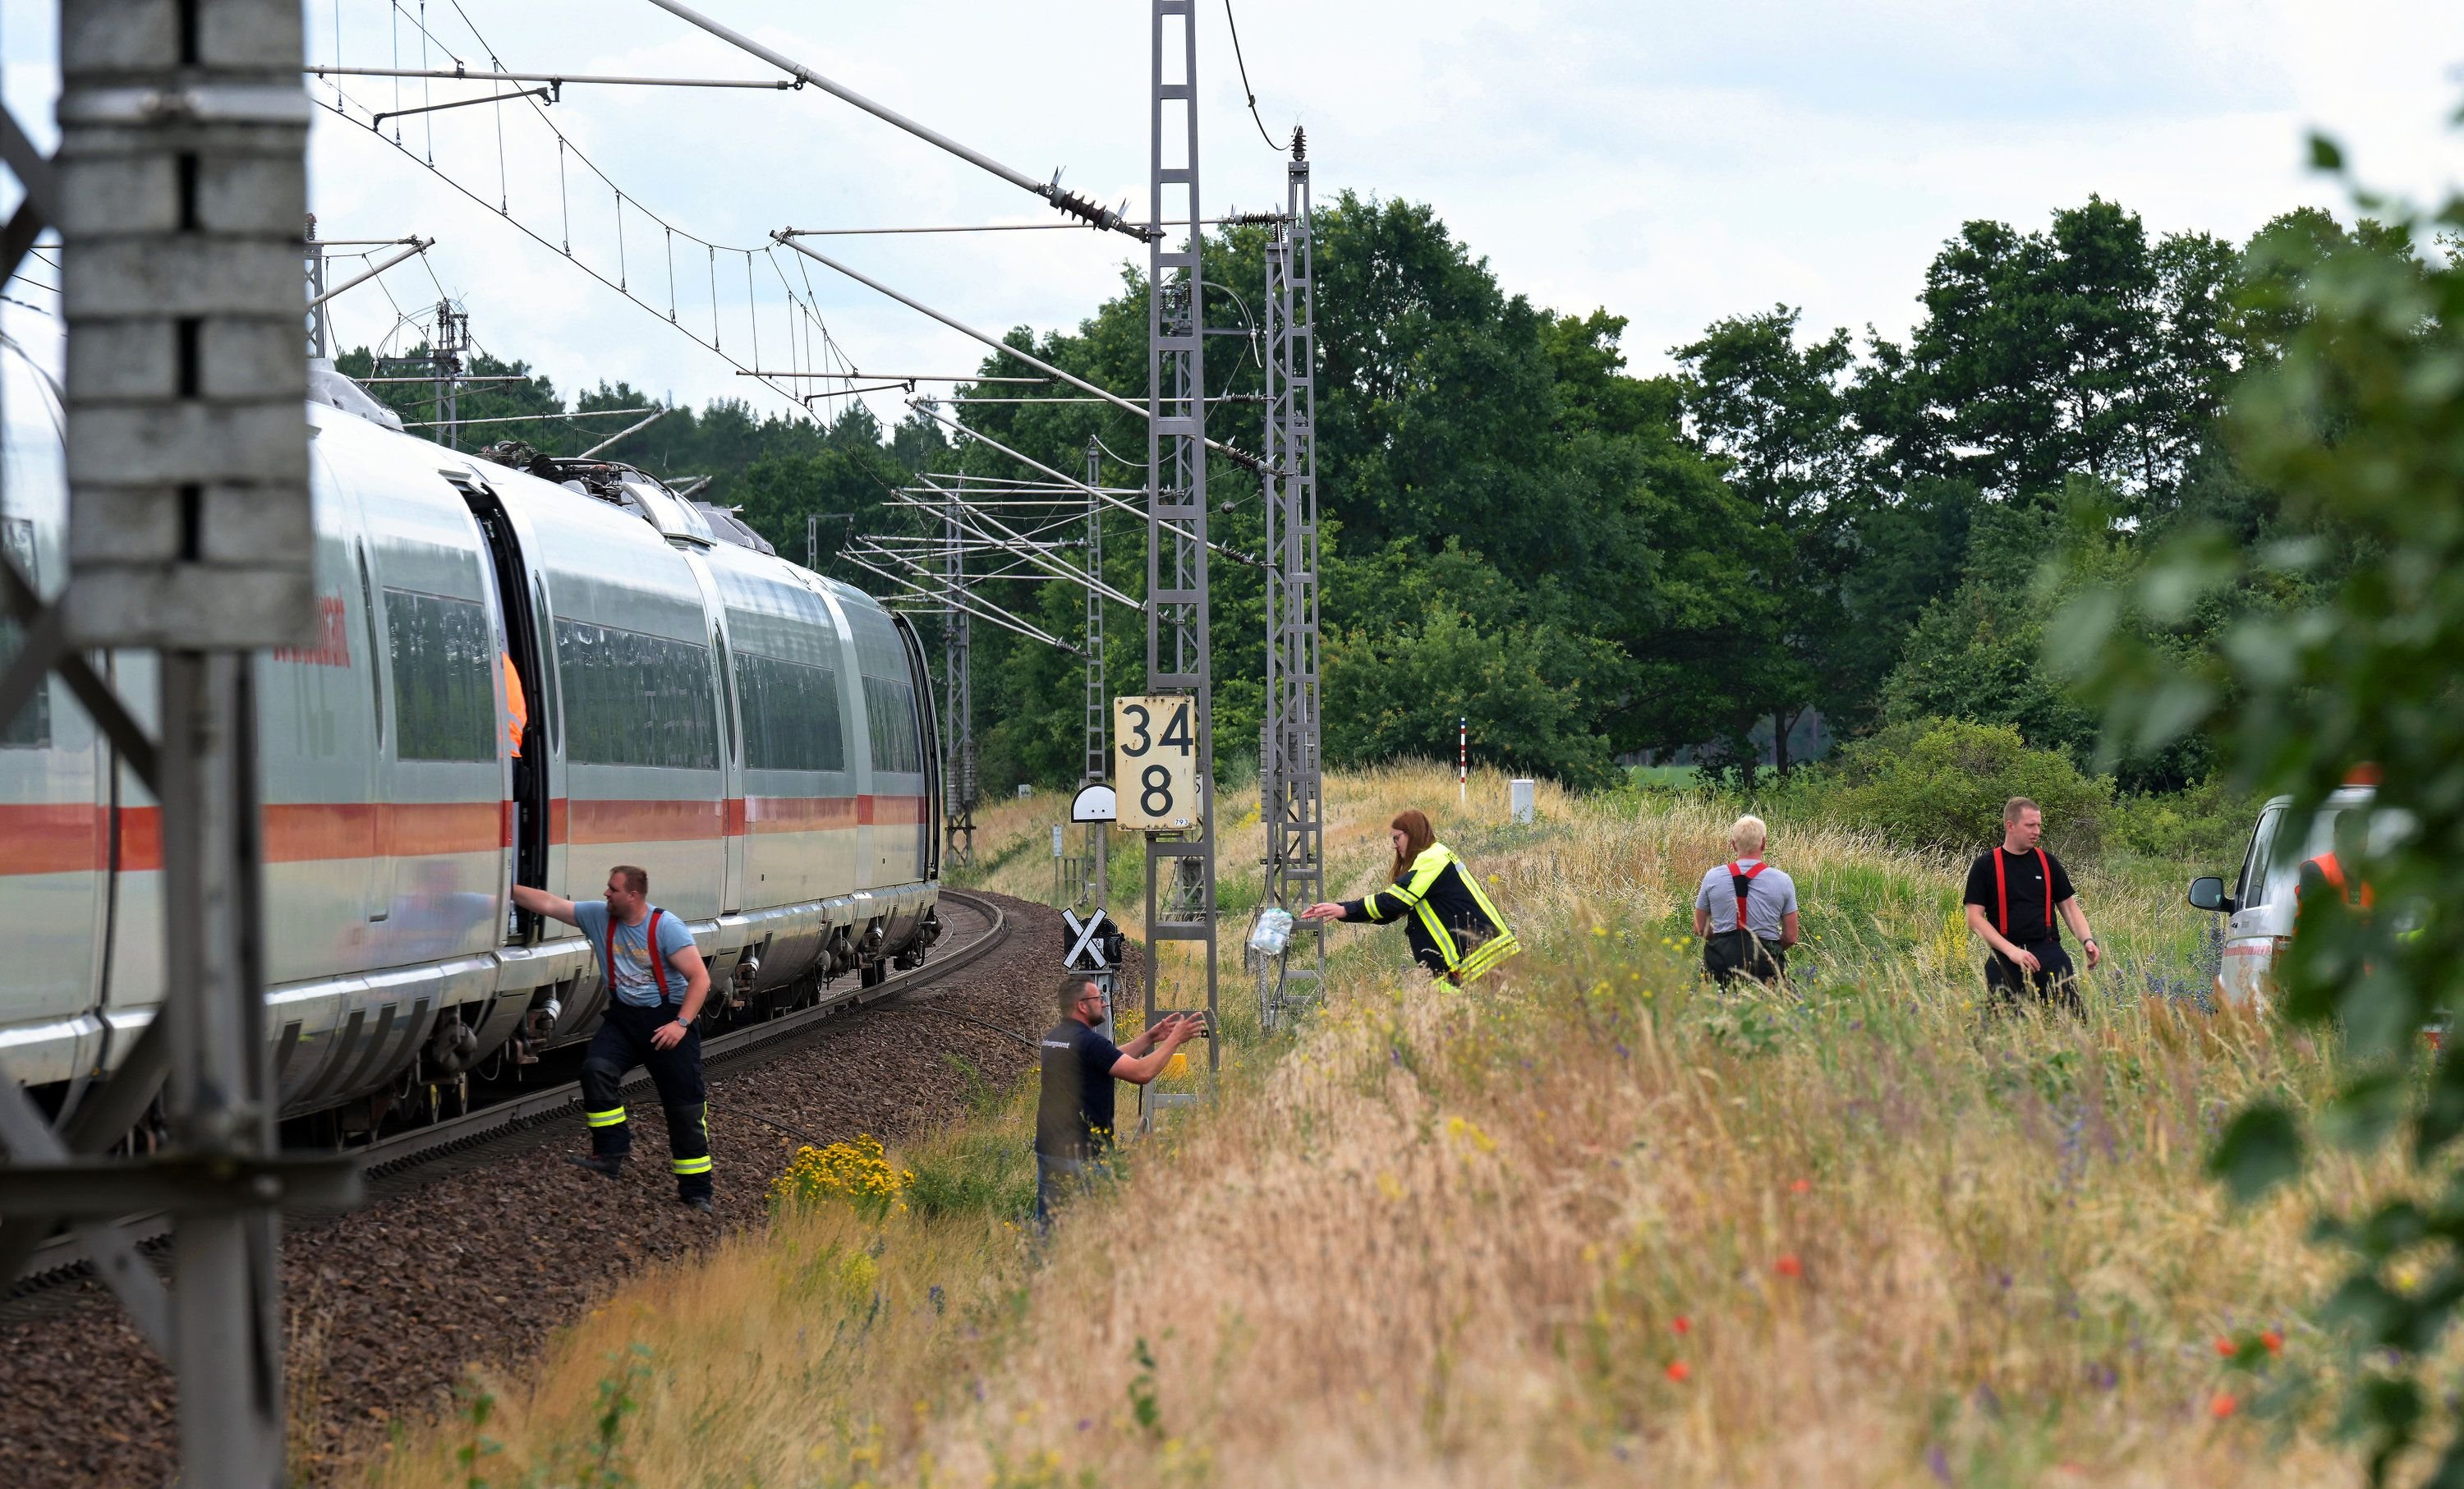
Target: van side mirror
{"x":2208,"y":894}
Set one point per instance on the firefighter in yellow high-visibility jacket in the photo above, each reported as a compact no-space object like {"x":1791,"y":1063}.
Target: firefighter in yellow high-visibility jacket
{"x":1453,"y":929}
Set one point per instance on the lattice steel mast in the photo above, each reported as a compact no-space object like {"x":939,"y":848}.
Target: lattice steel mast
{"x":1098,"y":762}
{"x":1291,"y":787}
{"x":1180,"y":871}
{"x":957,"y":675}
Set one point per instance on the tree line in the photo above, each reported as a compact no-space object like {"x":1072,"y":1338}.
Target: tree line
{"x":1582,"y":562}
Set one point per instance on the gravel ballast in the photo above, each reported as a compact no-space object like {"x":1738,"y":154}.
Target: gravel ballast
{"x":475,"y":1262}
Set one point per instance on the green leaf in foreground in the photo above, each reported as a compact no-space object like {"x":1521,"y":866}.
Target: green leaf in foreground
{"x":2261,"y":1149}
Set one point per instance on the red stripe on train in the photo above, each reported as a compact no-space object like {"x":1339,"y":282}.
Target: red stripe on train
{"x":798,"y":813}
{"x":892,"y":811}
{"x":50,"y":838}
{"x":641,"y":822}
{"x":47,"y":838}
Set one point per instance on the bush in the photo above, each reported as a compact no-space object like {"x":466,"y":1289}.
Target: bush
{"x":1941,"y":785}
{"x":2208,"y":823}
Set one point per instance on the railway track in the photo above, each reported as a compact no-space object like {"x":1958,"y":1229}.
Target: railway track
{"x":389,"y":1163}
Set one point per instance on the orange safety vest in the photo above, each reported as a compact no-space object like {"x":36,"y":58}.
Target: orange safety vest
{"x":2002,"y":894}
{"x":517,"y":706}
{"x":2332,"y":869}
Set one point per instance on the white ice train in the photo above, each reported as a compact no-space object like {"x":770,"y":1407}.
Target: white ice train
{"x":757,"y":736}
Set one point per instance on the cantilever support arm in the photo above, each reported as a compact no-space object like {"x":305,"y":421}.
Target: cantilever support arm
{"x":924,"y":407}
{"x":1011,"y":540}
{"x":418,"y":245}
{"x":998,"y":617}
{"x":550,"y":91}
{"x":1239,"y":457}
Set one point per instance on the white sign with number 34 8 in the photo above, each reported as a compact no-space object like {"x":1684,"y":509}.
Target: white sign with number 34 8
{"x":1155,"y":763}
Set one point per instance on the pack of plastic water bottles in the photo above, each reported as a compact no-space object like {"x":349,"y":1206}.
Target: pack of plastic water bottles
{"x":1273,"y":932}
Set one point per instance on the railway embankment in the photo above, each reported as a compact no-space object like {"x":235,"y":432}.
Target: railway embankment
{"x":1584,"y":1222}
{"x":477,"y":1262}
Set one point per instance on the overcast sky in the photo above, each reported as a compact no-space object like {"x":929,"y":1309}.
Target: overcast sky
{"x":1674,"y":163}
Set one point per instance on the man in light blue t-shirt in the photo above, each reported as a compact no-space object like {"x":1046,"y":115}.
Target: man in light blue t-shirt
{"x":656,"y":981}
{"x":1750,"y":891}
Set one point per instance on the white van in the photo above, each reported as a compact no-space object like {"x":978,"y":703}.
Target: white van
{"x":2260,"y":904}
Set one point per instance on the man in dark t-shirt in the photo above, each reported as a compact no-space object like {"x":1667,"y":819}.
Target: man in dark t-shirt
{"x":2013,"y":893}
{"x":1073,"y":1114}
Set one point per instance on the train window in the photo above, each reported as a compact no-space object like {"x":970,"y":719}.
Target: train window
{"x":727,"y":684}
{"x":890,"y":719}
{"x":31,"y":728}
{"x":791,"y":714}
{"x":444,"y":677}
{"x":376,"y":673}
{"x":631,"y":699}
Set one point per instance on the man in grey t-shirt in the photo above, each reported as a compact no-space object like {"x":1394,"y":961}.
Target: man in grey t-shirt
{"x":1767,"y":898}
{"x":656,"y":981}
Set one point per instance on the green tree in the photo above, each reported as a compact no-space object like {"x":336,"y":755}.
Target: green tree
{"x":2354,"y":426}
{"x":1777,"y":414}
{"x":2081,"y":349}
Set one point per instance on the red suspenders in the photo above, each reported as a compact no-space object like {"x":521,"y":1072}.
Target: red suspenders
{"x":658,"y":964}
{"x":2002,"y":894}
{"x":1741,"y":883}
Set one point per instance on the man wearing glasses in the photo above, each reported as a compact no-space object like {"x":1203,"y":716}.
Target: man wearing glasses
{"x":1073,"y":1118}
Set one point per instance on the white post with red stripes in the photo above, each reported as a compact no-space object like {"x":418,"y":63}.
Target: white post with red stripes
{"x":1463,"y":762}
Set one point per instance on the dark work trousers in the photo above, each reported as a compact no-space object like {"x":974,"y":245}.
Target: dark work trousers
{"x":1727,"y":961}
{"x":2055,"y":983}
{"x":623,"y":1041}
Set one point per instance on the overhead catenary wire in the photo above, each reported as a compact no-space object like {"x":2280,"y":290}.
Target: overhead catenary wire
{"x":901,"y":378}
{"x":1247,"y":92}
{"x":1061,"y":201}
{"x":529,"y":418}
{"x":1239,"y":457}
{"x":997,"y":618}
{"x":802,"y":310}
{"x":956,"y":504}
{"x":796,"y":307}
{"x":1013,"y":226}
{"x":1100,"y":493}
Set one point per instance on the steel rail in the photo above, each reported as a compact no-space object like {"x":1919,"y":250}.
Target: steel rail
{"x":62,"y":1259}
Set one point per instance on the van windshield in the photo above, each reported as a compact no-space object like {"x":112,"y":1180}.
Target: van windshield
{"x":2388,"y":827}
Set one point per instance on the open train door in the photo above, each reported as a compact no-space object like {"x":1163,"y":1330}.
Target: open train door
{"x":527,"y":785}
{"x":928,"y":727}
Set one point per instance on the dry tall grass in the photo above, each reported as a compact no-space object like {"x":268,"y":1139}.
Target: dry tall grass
{"x":1585,"y":1222}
